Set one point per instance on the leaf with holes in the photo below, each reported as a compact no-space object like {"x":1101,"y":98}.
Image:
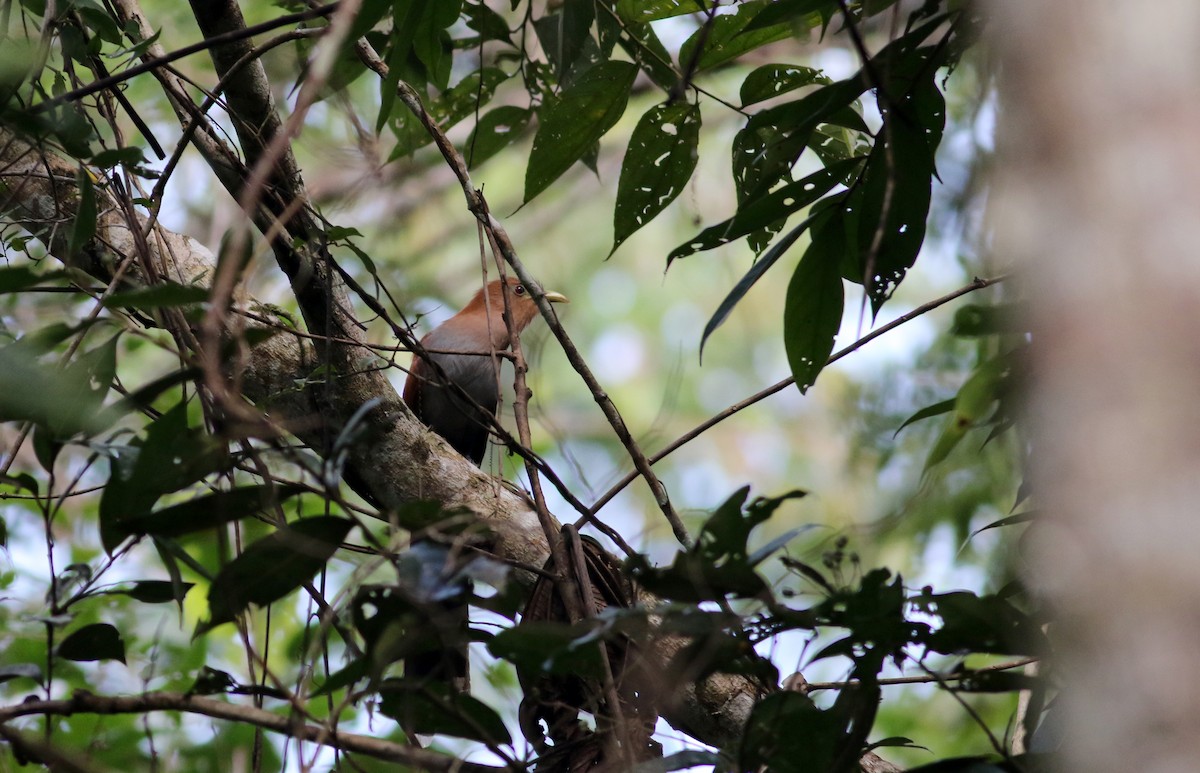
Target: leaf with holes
{"x":660,"y":160}
{"x":573,"y":123}
{"x":496,"y":130}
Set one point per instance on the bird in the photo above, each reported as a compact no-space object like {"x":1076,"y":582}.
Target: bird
{"x":462,"y":347}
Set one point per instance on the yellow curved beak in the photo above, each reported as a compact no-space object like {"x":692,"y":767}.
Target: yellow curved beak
{"x":557,"y":298}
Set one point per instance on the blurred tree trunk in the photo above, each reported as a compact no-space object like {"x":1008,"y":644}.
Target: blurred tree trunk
{"x":1099,"y":198}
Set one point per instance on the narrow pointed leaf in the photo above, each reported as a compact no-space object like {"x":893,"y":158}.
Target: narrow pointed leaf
{"x":812,"y":312}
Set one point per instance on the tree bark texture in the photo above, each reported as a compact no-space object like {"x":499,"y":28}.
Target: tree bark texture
{"x":1098,"y":197}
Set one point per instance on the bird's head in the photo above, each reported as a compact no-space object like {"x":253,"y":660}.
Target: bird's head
{"x":490,"y":301}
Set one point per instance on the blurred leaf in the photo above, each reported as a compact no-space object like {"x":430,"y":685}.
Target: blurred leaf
{"x":1012,"y":520}
{"x":274,"y":566}
{"x":436,"y":709}
{"x":978,"y":320}
{"x":66,"y":401}
{"x":164,"y":294}
{"x":543,"y":647}
{"x":574,"y":122}
{"x":99,"y":641}
{"x":20,"y":671}
{"x":808,"y":746}
{"x":497,"y":129}
{"x":660,"y":160}
{"x":980,"y":624}
{"x":156,"y":591}
{"x":107,"y":159}
{"x":689,"y":758}
{"x":788,"y":10}
{"x":812,"y":311}
{"x":171,"y":457}
{"x":16,"y":278}
{"x":84,"y":226}
{"x":203,"y":512}
{"x":937,"y":409}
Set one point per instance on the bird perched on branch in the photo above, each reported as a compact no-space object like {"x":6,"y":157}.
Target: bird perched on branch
{"x":463,"y":347}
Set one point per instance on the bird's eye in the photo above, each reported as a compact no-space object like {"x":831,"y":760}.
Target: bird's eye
{"x":519,"y":289}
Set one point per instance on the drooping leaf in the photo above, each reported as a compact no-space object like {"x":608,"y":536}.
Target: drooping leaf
{"x":165,"y":294}
{"x":66,"y":401}
{"x":203,"y":512}
{"x":274,"y":566}
{"x":435,"y":709}
{"x":767,"y":210}
{"x":156,"y":591}
{"x":171,"y":457}
{"x":84,"y":226}
{"x":812,"y":312}
{"x":937,"y":409}
{"x":99,"y":641}
{"x":566,"y":38}
{"x":660,"y":160}
{"x":573,"y":123}
{"x":497,"y":129}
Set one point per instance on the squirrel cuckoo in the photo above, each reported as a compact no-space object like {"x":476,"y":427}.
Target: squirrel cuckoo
{"x":462,"y":347}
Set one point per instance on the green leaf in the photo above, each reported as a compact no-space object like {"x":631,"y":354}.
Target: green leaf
{"x":99,"y":641}
{"x":155,"y":591}
{"x":451,"y":107}
{"x":937,"y":409}
{"x":164,"y":294}
{"x":727,"y":37}
{"x":20,"y":671}
{"x":812,"y":312}
{"x":767,"y":210}
{"x":13,"y":279}
{"x":66,"y":401}
{"x":564,"y":36}
{"x":107,"y":159}
{"x":808,"y":746}
{"x":274,"y":566}
{"x":573,"y":123}
{"x":660,"y":160}
{"x":84,"y":226}
{"x":435,"y":709}
{"x":544,"y":647}
{"x":978,"y":320}
{"x":771,"y":80}
{"x":783,"y":11}
{"x":489,"y":24}
{"x":497,"y":129}
{"x":203,"y":512}
{"x":172,"y":457}
{"x":643,"y":11}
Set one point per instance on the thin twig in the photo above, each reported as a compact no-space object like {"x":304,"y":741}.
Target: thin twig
{"x":687,"y":437}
